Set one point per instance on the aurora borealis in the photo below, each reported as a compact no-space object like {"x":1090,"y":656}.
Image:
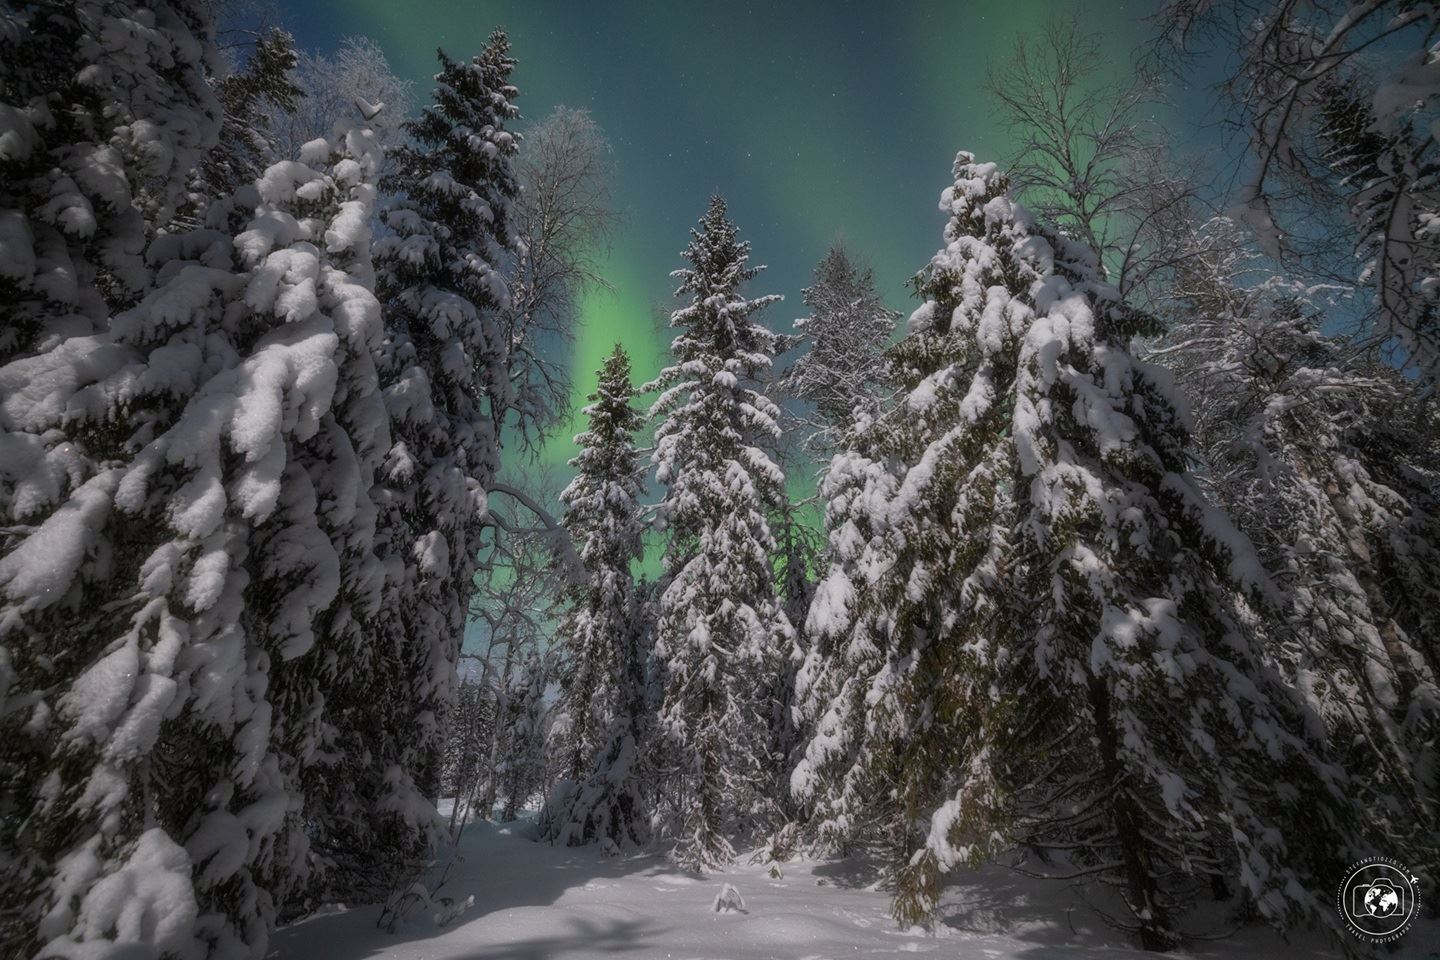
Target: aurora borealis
{"x":815,"y":120}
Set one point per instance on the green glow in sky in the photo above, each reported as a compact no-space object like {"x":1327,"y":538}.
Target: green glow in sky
{"x":816,"y":120}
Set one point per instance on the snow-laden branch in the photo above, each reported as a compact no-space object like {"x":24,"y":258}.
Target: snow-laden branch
{"x":556,"y":536}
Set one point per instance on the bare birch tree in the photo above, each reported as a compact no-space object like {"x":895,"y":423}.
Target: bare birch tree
{"x":1088,"y":155}
{"x":565,"y":215}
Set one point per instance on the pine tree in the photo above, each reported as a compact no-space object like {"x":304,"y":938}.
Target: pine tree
{"x":1327,"y":460}
{"x":440,"y":281}
{"x":718,"y":617}
{"x":1058,"y":657}
{"x":847,"y":330}
{"x":604,"y":687}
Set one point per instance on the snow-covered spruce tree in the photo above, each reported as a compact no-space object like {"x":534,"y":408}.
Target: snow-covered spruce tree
{"x":847,"y":332}
{"x":1385,"y":159}
{"x":841,"y":373}
{"x":328,"y":698}
{"x":604,"y":682}
{"x":192,"y":581}
{"x":864,"y":615}
{"x":467,"y":745}
{"x":522,"y":770}
{"x":1071,"y":670}
{"x":251,"y":98}
{"x":718,"y":619}
{"x":1327,"y":460}
{"x":440,"y":281}
{"x":104,"y":110}
{"x":798,"y":549}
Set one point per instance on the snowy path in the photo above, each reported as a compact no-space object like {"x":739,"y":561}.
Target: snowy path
{"x":535,"y":902}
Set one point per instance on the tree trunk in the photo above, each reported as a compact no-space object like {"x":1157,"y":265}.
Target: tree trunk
{"x":1143,"y":894}
{"x":487,"y":799}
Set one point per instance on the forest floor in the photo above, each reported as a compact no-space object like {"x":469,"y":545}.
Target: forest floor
{"x":533,"y":901}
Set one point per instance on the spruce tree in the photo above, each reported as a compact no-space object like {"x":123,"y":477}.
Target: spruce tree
{"x":797,"y":554}
{"x":604,"y":682}
{"x":328,"y":699}
{"x":103,"y":108}
{"x":194,"y":583}
{"x":847,"y":332}
{"x":1326,"y":458}
{"x":251,"y":99}
{"x":104,"y":111}
{"x":847,"y":778}
{"x":1058,"y":655}
{"x":522,"y":771}
{"x":441,"y":281}
{"x":718,"y":619}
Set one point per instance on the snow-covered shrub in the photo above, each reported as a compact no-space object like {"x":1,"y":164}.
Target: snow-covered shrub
{"x":418,"y":897}
{"x":728,"y":900}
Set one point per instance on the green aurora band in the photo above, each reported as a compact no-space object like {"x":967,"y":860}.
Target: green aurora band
{"x":815,"y":120}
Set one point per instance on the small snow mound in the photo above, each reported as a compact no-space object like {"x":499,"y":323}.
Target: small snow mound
{"x":728,"y":900}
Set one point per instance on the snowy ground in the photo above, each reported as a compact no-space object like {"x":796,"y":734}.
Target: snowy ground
{"x":536,"y":902}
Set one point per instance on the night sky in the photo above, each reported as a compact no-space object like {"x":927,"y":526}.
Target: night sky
{"x":815,"y":120}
